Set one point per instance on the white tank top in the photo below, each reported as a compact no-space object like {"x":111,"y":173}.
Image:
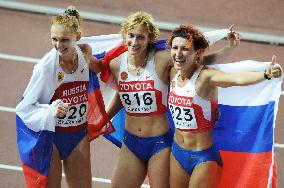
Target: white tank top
{"x":144,"y":94}
{"x":73,"y":88}
{"x":189,"y":111}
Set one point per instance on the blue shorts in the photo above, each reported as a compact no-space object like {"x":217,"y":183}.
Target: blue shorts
{"x":65,"y":142}
{"x":145,"y":147}
{"x":189,"y":159}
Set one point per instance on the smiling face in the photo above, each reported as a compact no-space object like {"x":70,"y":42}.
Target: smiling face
{"x":137,"y":40}
{"x":63,"y":39}
{"x":139,"y":32}
{"x":182,"y":53}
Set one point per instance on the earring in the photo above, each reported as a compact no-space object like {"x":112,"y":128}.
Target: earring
{"x":197,"y":58}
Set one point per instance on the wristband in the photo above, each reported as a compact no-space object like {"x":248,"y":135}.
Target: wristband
{"x":266,"y":76}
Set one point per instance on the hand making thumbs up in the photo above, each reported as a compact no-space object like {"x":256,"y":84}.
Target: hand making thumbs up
{"x":274,"y":70}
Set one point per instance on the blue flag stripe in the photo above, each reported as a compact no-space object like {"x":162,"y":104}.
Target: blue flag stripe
{"x":251,"y":133}
{"x":35,"y":148}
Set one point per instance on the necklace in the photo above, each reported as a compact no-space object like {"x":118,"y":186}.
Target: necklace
{"x":137,"y":70}
{"x":75,"y":63}
{"x":67,"y":66}
{"x":181,"y":82}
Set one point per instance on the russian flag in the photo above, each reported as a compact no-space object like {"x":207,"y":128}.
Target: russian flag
{"x":98,"y":121}
{"x":35,"y":123}
{"x":35,"y":149}
{"x":245,"y":132}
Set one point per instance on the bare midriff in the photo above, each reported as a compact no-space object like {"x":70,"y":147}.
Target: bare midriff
{"x":193,"y":140}
{"x":146,"y":126}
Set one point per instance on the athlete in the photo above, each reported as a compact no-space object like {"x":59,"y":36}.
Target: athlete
{"x":194,"y":161}
{"x":60,"y":102}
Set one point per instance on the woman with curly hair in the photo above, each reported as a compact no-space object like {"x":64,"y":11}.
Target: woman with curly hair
{"x":194,"y":161}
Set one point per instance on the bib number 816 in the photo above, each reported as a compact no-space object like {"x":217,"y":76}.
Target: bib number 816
{"x":146,"y":98}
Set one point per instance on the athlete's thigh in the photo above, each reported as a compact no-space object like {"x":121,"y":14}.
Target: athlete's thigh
{"x":129,"y":171}
{"x":77,"y":166}
{"x":178,"y":176}
{"x":55,"y":170}
{"x":206,"y":175}
{"x":159,"y":169}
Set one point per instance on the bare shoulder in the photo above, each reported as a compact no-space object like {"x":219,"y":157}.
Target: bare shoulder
{"x":86,"y":49}
{"x":173,"y":73}
{"x":115,"y":64}
{"x":163,"y":56}
{"x":163,"y":60}
{"x":214,"y":77}
{"x":163,"y":65}
{"x":208,"y":72}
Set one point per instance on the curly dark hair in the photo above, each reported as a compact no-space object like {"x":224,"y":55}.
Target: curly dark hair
{"x":193,"y":35}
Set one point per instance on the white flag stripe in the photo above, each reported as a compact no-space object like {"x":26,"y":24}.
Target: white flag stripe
{"x":261,"y":93}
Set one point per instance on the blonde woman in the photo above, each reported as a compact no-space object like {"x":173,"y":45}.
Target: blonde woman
{"x":56,"y":99}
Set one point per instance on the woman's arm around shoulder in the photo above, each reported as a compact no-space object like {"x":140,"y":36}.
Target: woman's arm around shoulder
{"x":115,"y":66}
{"x":164,"y":57}
{"x":95,"y":65}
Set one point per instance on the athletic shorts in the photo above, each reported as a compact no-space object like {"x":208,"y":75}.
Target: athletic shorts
{"x":145,"y":147}
{"x":189,"y":159}
{"x":66,"y":141}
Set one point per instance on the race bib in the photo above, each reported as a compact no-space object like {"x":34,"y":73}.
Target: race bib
{"x":138,"y":97}
{"x":74,"y":93}
{"x":182,"y":112}
{"x":76,"y":115}
{"x":183,"y":117}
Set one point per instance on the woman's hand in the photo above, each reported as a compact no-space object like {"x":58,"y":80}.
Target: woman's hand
{"x":233,"y":37}
{"x":274,"y":70}
{"x":61,"y":110}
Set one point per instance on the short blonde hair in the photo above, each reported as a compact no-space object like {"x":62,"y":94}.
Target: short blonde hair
{"x":70,"y":19}
{"x":141,"y":18}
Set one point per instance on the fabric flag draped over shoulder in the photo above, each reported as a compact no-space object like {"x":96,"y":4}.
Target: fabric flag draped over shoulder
{"x":245,"y":131}
{"x":35,"y":123}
